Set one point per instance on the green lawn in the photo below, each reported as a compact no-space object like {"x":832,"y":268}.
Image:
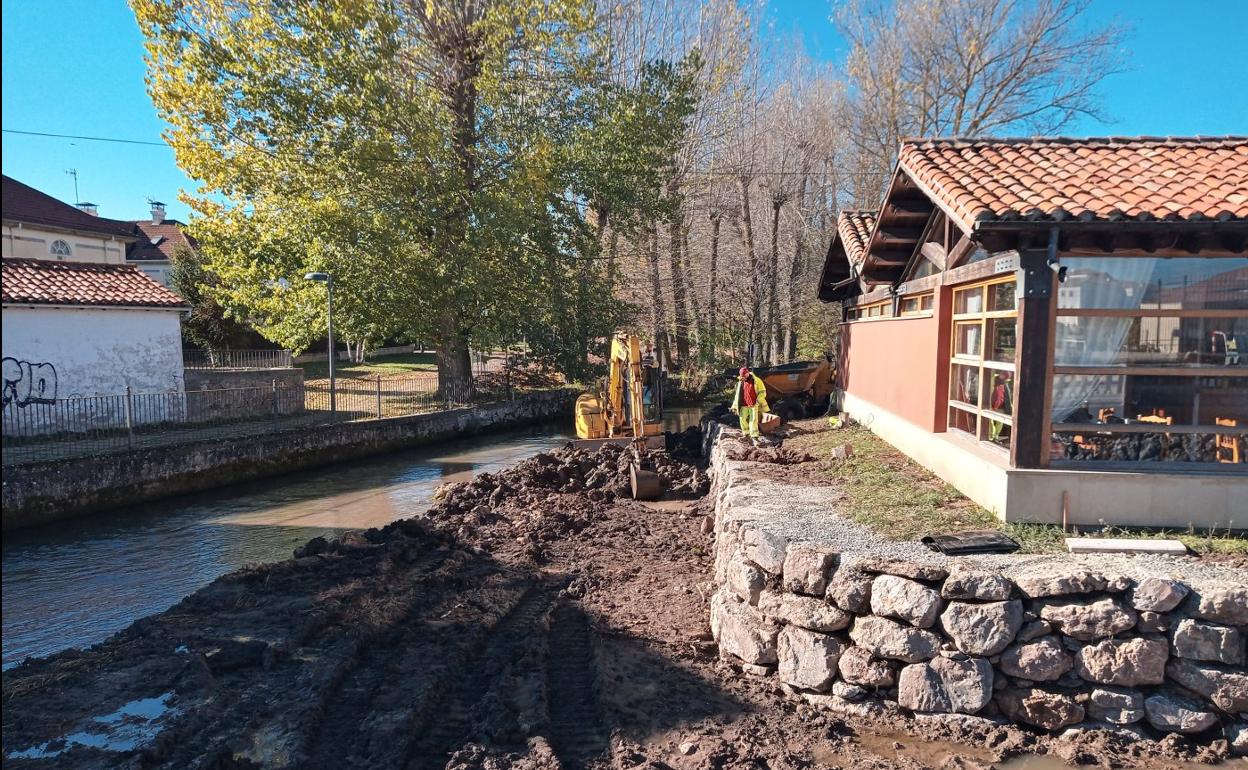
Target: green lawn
{"x":891,"y":493}
{"x":386,"y":366}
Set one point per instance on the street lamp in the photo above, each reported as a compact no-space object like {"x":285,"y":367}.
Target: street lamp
{"x":328,"y":280}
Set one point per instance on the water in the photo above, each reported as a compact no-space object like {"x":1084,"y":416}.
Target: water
{"x":75,"y":583}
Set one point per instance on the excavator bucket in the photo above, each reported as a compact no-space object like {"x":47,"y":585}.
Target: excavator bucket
{"x":646,"y":485}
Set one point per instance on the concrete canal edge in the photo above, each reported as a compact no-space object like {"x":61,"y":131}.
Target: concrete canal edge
{"x":39,"y":493}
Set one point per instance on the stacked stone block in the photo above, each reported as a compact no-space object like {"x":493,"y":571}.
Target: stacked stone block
{"x":1050,"y":648}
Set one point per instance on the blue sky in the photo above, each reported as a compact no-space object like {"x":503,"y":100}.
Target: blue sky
{"x":76,"y":67}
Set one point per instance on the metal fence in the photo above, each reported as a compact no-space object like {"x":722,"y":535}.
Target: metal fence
{"x":237,"y":359}
{"x":92,"y":425}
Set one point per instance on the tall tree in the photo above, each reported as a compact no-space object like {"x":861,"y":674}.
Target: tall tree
{"x":421,"y":152}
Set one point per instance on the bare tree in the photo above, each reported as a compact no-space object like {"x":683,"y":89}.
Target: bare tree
{"x":779,"y":143}
{"x":971,"y":67}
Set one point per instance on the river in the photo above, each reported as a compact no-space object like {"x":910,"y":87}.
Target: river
{"x":75,"y":583}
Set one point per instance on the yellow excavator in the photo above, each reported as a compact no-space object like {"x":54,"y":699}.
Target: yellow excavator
{"x":628,"y":411}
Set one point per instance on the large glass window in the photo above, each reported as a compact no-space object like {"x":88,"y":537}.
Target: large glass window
{"x":1153,"y":340}
{"x":981,"y":365}
{"x":1153,"y":283}
{"x":1151,"y":359}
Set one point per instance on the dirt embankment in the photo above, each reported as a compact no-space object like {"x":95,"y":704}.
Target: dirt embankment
{"x":533,"y":618}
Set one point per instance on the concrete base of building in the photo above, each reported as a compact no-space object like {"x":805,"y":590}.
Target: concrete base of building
{"x":1198,"y":498}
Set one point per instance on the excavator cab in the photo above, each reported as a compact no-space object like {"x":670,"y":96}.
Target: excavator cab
{"x":628,"y":410}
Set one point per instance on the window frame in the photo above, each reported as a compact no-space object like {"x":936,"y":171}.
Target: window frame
{"x":867,"y":312}
{"x":923,"y":303}
{"x":985,"y":367}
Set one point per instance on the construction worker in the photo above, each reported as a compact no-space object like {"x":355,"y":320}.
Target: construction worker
{"x":750,"y":402}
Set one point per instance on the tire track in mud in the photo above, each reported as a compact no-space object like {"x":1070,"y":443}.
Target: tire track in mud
{"x":326,"y":654}
{"x":578,"y":731}
{"x":449,"y":724}
{"x":362,"y":716}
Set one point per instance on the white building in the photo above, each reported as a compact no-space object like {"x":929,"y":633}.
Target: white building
{"x":77,"y":319}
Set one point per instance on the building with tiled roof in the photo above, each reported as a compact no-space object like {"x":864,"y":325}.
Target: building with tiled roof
{"x":87,"y":284}
{"x":158,"y":238}
{"x":77,"y":319}
{"x":845,"y":252}
{"x":38,"y":226}
{"x":1056,"y":326}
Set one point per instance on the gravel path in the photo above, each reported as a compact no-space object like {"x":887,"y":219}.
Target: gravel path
{"x":811,"y":514}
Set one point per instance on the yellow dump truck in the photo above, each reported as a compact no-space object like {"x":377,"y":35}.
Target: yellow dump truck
{"x":799,"y":389}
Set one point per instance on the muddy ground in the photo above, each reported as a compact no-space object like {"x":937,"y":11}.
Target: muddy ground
{"x":533,"y":618}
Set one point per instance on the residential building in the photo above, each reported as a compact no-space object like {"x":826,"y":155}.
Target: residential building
{"x":38,"y":226}
{"x":157,"y":238}
{"x":77,"y":319}
{"x":1057,"y":327}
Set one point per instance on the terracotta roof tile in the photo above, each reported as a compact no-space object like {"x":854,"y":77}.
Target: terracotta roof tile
{"x":1086,"y":179}
{"x":854,"y":229}
{"x":49,"y":282}
{"x":157,"y":242}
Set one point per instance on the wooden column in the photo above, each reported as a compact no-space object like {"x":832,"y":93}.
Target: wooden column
{"x":1037,"y":302}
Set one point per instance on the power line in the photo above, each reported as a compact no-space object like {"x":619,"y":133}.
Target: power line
{"x":85,"y":138}
{"x":699,"y":172}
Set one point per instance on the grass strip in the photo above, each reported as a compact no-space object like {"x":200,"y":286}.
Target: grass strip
{"x":902,"y":500}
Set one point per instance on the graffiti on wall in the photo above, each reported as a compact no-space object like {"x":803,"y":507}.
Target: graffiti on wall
{"x":28,"y":383}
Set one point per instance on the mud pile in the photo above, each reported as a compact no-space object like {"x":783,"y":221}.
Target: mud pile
{"x":602,"y":475}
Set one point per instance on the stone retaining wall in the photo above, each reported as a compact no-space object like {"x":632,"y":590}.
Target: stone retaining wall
{"x":1051,"y":647}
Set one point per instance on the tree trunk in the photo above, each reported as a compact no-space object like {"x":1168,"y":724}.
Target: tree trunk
{"x":713,"y":282}
{"x":453,"y":358}
{"x":695,"y":325}
{"x":680,"y":295}
{"x":798,"y":270}
{"x":460,"y":90}
{"x":747,"y":230}
{"x":773,"y":291}
{"x":602,"y":216}
{"x":658,"y":318}
{"x":611,"y":255}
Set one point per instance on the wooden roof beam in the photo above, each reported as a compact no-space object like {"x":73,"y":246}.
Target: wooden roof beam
{"x":908,"y":209}
{"x":936,"y":253}
{"x":889,"y":258}
{"x":899,"y":234}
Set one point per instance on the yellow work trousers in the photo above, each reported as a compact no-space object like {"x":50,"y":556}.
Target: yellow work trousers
{"x":749,"y":420}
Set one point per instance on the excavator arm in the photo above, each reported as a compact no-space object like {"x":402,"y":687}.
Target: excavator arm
{"x":618,"y":413}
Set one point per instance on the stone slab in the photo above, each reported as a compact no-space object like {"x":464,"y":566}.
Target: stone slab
{"x":1124,"y":545}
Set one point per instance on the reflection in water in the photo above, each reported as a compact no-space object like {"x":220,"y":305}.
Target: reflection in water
{"x":75,"y":583}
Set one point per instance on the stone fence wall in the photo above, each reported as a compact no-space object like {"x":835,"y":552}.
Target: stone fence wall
{"x":1051,"y":648}
{"x":232,"y":394}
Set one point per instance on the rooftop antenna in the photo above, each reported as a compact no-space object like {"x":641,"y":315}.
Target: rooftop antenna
{"x":74,"y":173}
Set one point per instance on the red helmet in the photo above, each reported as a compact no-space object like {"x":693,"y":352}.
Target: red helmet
{"x":744,"y":371}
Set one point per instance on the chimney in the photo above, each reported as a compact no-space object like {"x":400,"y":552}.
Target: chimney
{"x":89,"y":208}
{"x":158,"y":212}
